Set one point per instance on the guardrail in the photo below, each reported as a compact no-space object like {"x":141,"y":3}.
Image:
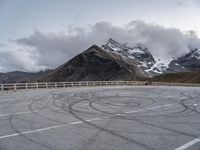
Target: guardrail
{"x":175,"y":84}
{"x":21,"y":86}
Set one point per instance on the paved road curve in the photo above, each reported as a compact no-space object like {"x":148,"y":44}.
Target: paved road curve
{"x":119,"y":118}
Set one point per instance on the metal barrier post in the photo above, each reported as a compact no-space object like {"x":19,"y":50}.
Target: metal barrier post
{"x":55,"y":85}
{"x":15,"y":87}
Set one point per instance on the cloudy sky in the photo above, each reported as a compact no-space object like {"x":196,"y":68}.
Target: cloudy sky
{"x":41,"y":34}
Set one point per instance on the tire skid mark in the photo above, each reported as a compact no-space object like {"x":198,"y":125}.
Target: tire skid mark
{"x":12,"y":125}
{"x":69,"y":104}
{"x":70,"y":109}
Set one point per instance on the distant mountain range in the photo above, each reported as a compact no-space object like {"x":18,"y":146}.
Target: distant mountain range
{"x":112,"y":61}
{"x":22,"y":77}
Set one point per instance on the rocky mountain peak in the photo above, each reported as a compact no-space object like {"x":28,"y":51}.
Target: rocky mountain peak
{"x":195,"y":53}
{"x":138,"y":53}
{"x":188,"y":62}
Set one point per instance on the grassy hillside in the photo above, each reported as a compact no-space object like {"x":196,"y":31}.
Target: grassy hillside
{"x":183,"y":77}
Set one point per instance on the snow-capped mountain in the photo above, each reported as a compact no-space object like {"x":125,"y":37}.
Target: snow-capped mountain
{"x":188,"y":62}
{"x":138,"y":53}
{"x":151,"y":65}
{"x":141,"y":54}
{"x":194,"y":54}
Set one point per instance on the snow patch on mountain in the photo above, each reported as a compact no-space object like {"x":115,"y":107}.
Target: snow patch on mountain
{"x":160,"y":66}
{"x":196,"y":54}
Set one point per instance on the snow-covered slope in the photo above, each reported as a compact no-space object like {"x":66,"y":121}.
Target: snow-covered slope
{"x":160,"y":66}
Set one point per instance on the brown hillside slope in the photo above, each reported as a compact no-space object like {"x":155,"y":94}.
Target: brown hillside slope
{"x":183,"y":77}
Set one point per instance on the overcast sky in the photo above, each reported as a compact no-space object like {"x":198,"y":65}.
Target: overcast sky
{"x":40,"y":34}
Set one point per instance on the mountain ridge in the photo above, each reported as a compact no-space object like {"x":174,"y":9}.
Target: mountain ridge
{"x":94,"y":64}
{"x":114,"y":61}
{"x":21,"y":76}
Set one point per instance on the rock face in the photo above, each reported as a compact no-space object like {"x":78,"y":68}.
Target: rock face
{"x":96,"y":64}
{"x":189,"y":62}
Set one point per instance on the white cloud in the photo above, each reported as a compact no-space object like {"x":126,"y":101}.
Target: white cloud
{"x":16,"y":57}
{"x":47,"y":50}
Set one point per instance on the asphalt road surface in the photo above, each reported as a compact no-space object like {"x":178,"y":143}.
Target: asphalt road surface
{"x":97,"y":118}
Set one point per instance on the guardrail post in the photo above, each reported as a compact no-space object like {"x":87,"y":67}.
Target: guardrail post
{"x":36,"y":85}
{"x":63,"y":84}
{"x":55,"y":85}
{"x":46,"y":85}
{"x":2,"y":87}
{"x":15,"y":88}
{"x":26,"y":86}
